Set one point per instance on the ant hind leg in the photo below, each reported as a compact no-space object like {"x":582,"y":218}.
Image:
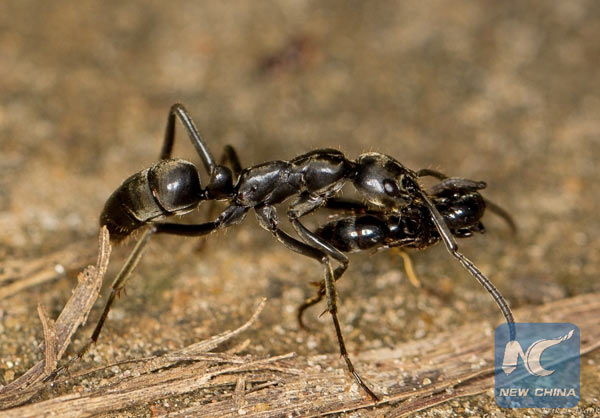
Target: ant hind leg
{"x":178,"y":110}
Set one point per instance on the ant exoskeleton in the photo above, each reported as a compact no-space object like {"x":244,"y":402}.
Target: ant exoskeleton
{"x":362,"y":228}
{"x":172,"y":187}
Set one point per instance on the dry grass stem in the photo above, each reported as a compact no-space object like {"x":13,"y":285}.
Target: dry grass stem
{"x":411,"y":377}
{"x":59,"y":334}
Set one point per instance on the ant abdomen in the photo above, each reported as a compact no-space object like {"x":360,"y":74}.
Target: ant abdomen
{"x":169,"y":187}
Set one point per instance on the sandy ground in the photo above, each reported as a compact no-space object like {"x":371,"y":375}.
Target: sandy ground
{"x":506,"y":92}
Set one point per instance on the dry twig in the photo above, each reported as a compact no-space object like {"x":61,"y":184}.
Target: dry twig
{"x":49,"y":340}
{"x":72,"y":316}
{"x":417,"y":375}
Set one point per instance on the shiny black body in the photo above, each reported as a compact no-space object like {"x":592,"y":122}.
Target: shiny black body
{"x":359,"y":227}
{"x":411,"y":227}
{"x":309,"y":181}
{"x":170,"y":187}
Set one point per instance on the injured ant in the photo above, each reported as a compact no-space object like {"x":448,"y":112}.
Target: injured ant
{"x":362,"y":228}
{"x":172,"y":187}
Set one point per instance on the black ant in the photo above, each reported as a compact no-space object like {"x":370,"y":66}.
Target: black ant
{"x":172,"y":187}
{"x":362,"y":228}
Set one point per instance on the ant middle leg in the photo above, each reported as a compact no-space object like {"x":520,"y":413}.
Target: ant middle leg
{"x":305,"y":204}
{"x":318,"y":297}
{"x":346,"y":205}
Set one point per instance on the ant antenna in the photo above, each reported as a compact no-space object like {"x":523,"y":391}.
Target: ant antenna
{"x":452,"y":248}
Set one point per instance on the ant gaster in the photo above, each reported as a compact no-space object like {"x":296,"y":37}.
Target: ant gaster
{"x":172,"y":187}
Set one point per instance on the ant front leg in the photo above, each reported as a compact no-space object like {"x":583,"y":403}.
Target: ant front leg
{"x":492,"y":290}
{"x":267,"y":217}
{"x":303,"y":205}
{"x":452,"y":248}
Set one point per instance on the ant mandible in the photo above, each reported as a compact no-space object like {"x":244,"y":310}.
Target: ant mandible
{"x":172,"y":187}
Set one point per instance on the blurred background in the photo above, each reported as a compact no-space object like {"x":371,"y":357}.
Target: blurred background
{"x":505,"y":92}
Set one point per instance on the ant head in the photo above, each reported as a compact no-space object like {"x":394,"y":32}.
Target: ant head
{"x":462,"y":209}
{"x":383,"y":181}
{"x":220,"y":183}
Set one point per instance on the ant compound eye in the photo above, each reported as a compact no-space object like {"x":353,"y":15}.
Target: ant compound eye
{"x":391,"y":188}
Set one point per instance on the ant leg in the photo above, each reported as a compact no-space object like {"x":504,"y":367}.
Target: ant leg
{"x":331,"y":305}
{"x":328,"y":249}
{"x":230,"y":155}
{"x":457,"y":184}
{"x":302,"y":206}
{"x":428,"y":172}
{"x":311,"y":239}
{"x":492,"y":290}
{"x":346,"y":205}
{"x":308,"y":303}
{"x":452,"y":248}
{"x":230,"y":216}
{"x":118,"y":284}
{"x":330,"y":292}
{"x":408,"y":268}
{"x":267,"y":217}
{"x":501,"y":212}
{"x":318,"y":297}
{"x":179,"y":110}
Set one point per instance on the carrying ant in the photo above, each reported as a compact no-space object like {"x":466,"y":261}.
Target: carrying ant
{"x":172,"y":187}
